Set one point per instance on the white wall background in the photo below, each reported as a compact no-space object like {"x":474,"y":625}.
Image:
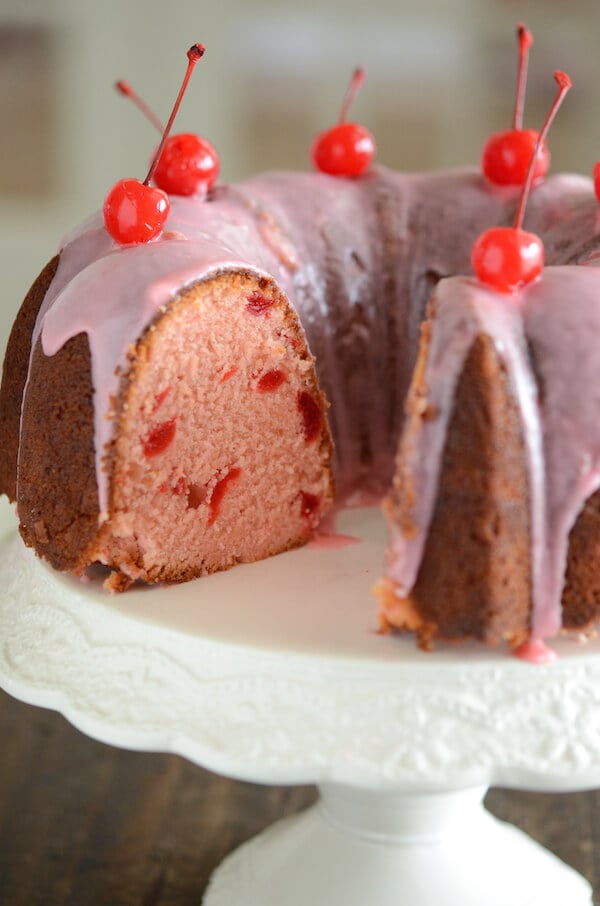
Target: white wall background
{"x":441,"y":77}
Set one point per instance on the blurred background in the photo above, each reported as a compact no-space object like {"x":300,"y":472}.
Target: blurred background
{"x":441,"y":77}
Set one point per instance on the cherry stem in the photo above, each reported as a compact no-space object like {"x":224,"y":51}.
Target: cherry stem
{"x":358,"y":77}
{"x":525,"y":39}
{"x":195,"y":53}
{"x":564,"y":84}
{"x":126,"y":89}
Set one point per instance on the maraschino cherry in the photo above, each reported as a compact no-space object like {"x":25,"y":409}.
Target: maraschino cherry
{"x":507,"y":258}
{"x":346,"y":149}
{"x":506,"y":155}
{"x":188,"y":165}
{"x":596,"y":175}
{"x":134,"y":211}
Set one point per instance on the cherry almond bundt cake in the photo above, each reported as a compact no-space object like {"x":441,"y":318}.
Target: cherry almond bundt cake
{"x":495,"y":499}
{"x":172,"y":407}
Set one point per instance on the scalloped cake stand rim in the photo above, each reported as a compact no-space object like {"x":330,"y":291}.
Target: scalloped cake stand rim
{"x":273,"y":672}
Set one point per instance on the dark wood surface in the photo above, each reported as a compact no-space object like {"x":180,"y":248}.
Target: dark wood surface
{"x":85,"y":824}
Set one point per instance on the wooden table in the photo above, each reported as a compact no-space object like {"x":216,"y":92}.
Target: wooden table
{"x":84,"y":824}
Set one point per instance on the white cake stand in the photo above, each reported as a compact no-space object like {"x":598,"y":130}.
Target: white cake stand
{"x":274,"y":673}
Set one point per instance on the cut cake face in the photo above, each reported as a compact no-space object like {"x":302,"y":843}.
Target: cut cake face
{"x":220,"y":449}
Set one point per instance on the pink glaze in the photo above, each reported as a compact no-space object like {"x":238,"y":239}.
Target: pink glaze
{"x":327,"y":536}
{"x":324,"y":541}
{"x":535,"y":652}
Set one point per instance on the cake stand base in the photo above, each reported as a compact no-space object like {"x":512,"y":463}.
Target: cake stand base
{"x":357,"y":847}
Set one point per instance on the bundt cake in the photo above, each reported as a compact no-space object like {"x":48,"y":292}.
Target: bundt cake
{"x":171,"y":422}
{"x":174,"y":407}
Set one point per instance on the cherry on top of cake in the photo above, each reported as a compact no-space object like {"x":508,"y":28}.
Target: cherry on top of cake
{"x":596,"y":177}
{"x":507,"y":154}
{"x":346,"y":149}
{"x":507,"y":258}
{"x":189,"y":163}
{"x":135,"y":212}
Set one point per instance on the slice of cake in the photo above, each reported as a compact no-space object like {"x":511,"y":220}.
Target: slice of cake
{"x":215,"y":449}
{"x":494,"y":507}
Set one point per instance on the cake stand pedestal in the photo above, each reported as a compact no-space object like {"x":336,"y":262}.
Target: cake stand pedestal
{"x":273,"y":673}
{"x":360,"y":847}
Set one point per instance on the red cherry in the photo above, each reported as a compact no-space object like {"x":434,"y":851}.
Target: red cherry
{"x":506,"y":157}
{"x":258,"y":304}
{"x":312,"y":417}
{"x":219,"y":490}
{"x":596,"y":175}
{"x":346,"y":149}
{"x":507,"y":154}
{"x":309,"y":508}
{"x":508,"y":257}
{"x":189,"y":165}
{"x":271,"y":380}
{"x":159,"y":438}
{"x":135,"y":211}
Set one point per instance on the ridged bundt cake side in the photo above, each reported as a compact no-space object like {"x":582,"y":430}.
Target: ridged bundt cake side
{"x":14,"y":377}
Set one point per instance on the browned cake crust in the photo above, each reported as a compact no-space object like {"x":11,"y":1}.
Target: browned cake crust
{"x":14,"y":376}
{"x":581,"y":595}
{"x":58,"y":495}
{"x":474,"y":580}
